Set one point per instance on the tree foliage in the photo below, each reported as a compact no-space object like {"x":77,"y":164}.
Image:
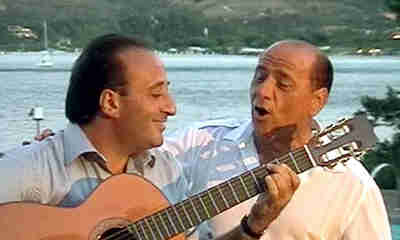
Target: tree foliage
{"x":181,"y":23}
{"x":385,"y":112}
{"x":394,"y":5}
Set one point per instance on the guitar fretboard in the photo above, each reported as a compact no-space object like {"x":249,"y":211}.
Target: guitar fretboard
{"x":205,"y":205}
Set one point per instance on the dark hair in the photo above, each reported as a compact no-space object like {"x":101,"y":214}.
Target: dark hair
{"x":322,"y":75}
{"x":96,"y":69}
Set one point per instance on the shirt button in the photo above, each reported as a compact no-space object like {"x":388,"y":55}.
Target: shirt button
{"x":242,"y":145}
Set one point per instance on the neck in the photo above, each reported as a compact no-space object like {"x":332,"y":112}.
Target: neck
{"x":103,"y":138}
{"x":272,"y":146}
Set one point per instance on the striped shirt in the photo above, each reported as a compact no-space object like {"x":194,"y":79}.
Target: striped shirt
{"x":64,"y":169}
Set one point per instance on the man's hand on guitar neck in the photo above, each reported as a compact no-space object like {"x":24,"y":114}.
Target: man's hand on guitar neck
{"x":280,"y":186}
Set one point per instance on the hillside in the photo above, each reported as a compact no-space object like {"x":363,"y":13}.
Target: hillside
{"x":259,"y":8}
{"x":231,"y":24}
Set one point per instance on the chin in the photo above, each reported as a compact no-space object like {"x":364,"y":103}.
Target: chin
{"x":261,"y":130}
{"x":158,"y":142}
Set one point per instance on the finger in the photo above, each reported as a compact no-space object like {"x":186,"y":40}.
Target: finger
{"x":283,"y":183}
{"x":271,"y":188}
{"x":47,"y":132}
{"x":279,"y":172}
{"x":44,"y":134}
{"x":38,"y":137}
{"x":294,"y":179}
{"x":273,"y":168}
{"x":279,"y":169}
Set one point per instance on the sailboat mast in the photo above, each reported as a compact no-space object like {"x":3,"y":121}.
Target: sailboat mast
{"x":45,"y":34}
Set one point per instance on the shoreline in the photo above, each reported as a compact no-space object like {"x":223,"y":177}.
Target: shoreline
{"x":330,"y":51}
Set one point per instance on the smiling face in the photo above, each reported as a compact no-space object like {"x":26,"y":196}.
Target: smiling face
{"x":281,"y":92}
{"x":146,"y":103}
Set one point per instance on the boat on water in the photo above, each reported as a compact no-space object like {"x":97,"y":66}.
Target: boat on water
{"x":46,"y":59}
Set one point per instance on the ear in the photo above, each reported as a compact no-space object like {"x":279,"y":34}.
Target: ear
{"x":320,"y":97}
{"x":109,"y":103}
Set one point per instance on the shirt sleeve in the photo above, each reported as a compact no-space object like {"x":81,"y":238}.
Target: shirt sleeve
{"x":186,"y":146}
{"x":371,"y":220}
{"x":17,"y":174}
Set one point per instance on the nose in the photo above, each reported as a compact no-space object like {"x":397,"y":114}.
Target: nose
{"x":264,"y":90}
{"x":169,"y":106}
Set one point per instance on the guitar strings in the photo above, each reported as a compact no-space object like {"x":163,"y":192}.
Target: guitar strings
{"x":127,"y":234}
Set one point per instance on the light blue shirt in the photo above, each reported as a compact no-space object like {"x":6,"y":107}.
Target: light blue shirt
{"x":59,"y":171}
{"x":212,"y":152}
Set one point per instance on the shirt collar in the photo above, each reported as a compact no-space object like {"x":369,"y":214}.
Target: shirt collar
{"x":245,"y":131}
{"x":147,"y":158}
{"x":76,"y":143}
{"x":241,"y":133}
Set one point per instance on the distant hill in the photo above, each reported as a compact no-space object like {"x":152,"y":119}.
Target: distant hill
{"x":259,"y":8}
{"x":179,"y":23}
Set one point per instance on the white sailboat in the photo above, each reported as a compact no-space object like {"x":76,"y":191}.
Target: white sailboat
{"x":46,"y":59}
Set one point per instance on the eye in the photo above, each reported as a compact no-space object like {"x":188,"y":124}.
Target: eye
{"x":260,"y":75}
{"x":282,"y":81}
{"x":284,"y":85}
{"x":159,"y":92}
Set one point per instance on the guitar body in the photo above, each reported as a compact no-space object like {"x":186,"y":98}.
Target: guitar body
{"x":116,"y":202}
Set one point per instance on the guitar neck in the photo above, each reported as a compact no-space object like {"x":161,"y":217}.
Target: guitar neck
{"x":205,"y":205}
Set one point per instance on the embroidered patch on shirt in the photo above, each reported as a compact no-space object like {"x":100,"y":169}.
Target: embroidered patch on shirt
{"x":225,"y":167}
{"x":250,"y":161}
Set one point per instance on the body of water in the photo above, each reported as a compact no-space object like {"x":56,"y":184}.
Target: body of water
{"x":204,"y":87}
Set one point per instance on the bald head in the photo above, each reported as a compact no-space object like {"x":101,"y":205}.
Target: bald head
{"x":321,"y":70}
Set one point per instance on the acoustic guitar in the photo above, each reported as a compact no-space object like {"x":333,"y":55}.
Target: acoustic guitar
{"x":113,"y":213}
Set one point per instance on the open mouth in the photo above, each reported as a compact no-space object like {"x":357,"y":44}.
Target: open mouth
{"x":261,"y":111}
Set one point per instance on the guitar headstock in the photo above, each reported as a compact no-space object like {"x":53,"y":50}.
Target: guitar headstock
{"x":350,"y":138}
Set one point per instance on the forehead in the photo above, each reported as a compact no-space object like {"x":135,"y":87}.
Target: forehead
{"x":289,"y":58}
{"x":141,"y":67}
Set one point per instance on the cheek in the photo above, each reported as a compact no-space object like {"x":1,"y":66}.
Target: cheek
{"x":289,"y":105}
{"x":300,"y":105}
{"x":254,"y":92}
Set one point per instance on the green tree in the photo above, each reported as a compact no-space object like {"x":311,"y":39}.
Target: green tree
{"x":394,"y":5}
{"x":385,"y":112}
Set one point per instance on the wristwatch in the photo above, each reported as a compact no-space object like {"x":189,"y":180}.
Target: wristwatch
{"x":246,"y":230}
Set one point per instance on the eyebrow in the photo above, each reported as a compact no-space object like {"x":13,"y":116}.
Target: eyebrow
{"x":276,"y":71}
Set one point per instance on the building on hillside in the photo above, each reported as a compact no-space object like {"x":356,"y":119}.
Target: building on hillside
{"x":395,"y":36}
{"x":196,"y":50}
{"x":251,"y":51}
{"x":22,"y":32}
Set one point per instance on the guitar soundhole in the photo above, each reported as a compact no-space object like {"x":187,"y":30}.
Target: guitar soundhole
{"x":113,"y":234}
{"x":109,"y":229}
